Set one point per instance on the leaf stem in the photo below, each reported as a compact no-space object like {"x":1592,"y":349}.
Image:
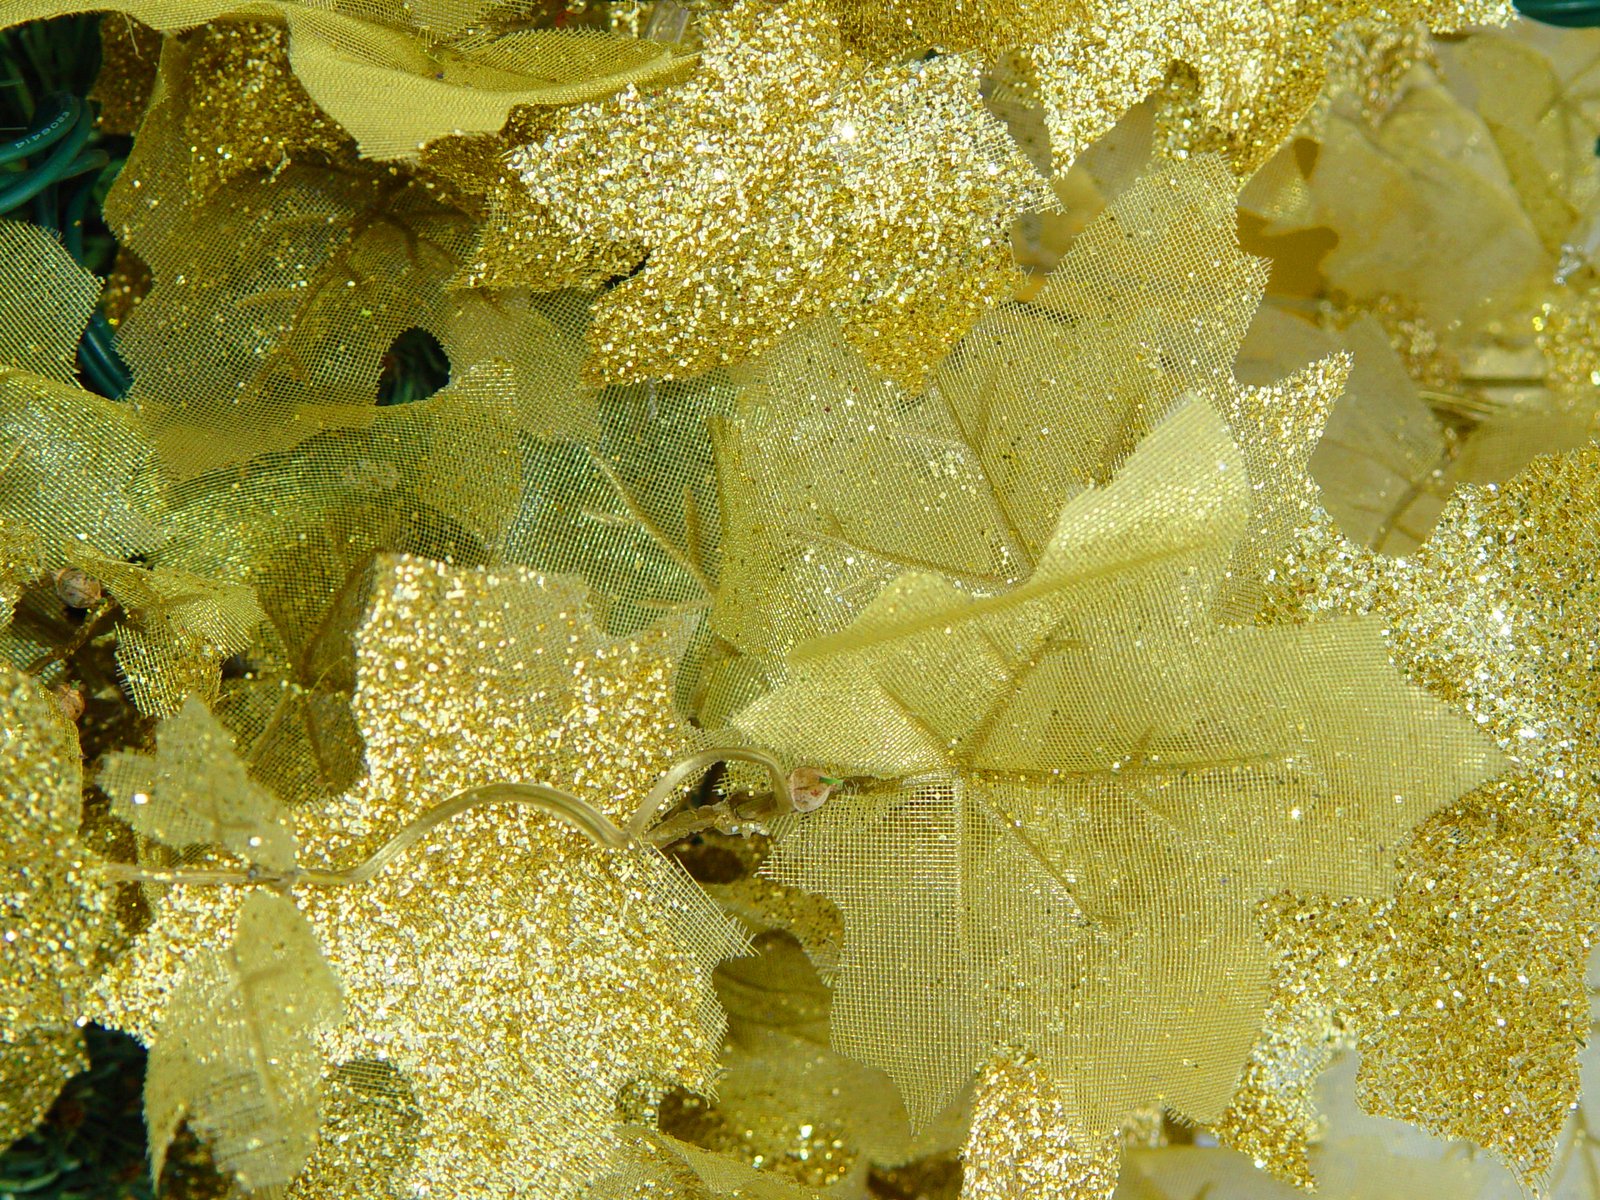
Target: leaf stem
{"x":564,"y":806}
{"x":681,"y":772}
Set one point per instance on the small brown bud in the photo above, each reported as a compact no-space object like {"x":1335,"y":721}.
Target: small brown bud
{"x":809,"y":789}
{"x":78,"y":589}
{"x":69,"y":699}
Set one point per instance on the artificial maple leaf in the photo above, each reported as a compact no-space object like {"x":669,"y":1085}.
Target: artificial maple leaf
{"x":832,"y":481}
{"x":891,"y":211}
{"x":54,"y":908}
{"x":631,"y":506}
{"x":1085,"y":785}
{"x":514,"y":974}
{"x":1465,"y":986}
{"x":1232,"y":77}
{"x":396,"y":81}
{"x":237,"y":1055}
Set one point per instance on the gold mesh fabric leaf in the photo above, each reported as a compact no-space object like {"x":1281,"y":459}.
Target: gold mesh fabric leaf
{"x":194,"y":790}
{"x":40,"y":320}
{"x":177,"y":628}
{"x":833,"y":482}
{"x":1431,"y":165}
{"x":632,"y":507}
{"x":891,"y":210}
{"x":787,"y":1103}
{"x":1466,"y":986}
{"x":1075,"y":766}
{"x":21,"y":562}
{"x":395,"y":84}
{"x":77,"y":468}
{"x":52,"y":903}
{"x":237,"y":1053}
{"x":1380,"y":463}
{"x":655,"y":1166}
{"x":324,"y":268}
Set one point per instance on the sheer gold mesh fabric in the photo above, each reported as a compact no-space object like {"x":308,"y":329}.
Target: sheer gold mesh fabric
{"x":1095,"y":784}
{"x":236,"y":1054}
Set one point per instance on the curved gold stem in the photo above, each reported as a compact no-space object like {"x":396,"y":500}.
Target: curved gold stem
{"x":564,"y":806}
{"x":688,"y":768}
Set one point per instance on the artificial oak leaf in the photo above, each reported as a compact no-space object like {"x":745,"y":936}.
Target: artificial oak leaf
{"x":396,"y":80}
{"x":1084,"y":785}
{"x":756,"y":215}
{"x":517,"y":976}
{"x":54,"y":908}
{"x":194,"y":790}
{"x":1465,"y":986}
{"x":237,"y":1054}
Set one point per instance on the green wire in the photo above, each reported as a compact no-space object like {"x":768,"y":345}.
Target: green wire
{"x":1570,"y":14}
{"x":62,"y":163}
{"x":56,"y":122}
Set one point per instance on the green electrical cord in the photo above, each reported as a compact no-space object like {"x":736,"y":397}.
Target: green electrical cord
{"x":1571,"y":14}
{"x":60,"y":133}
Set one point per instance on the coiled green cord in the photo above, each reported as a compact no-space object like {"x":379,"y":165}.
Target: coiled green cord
{"x":1570,"y":14}
{"x":60,"y":133}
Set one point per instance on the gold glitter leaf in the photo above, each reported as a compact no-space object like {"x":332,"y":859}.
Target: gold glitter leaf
{"x":237,"y":1054}
{"x":1089,"y":786}
{"x":194,"y":790}
{"x":516,"y":976}
{"x":1238,"y":75}
{"x":1466,"y":986}
{"x":54,"y":909}
{"x":784,"y":181}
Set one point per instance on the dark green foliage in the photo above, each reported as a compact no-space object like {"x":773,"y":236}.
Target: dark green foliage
{"x":1573,"y":14}
{"x":91,"y":1146}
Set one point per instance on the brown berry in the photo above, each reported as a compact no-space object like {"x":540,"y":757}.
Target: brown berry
{"x":69,"y":699}
{"x":808,"y":789}
{"x":78,"y":589}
